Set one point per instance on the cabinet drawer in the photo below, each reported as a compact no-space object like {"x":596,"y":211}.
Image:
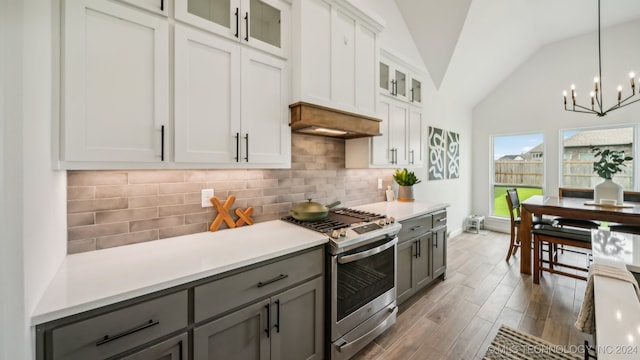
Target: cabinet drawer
{"x":233,"y":291}
{"x":414,"y":227}
{"x":109,"y":334}
{"x":439,"y":218}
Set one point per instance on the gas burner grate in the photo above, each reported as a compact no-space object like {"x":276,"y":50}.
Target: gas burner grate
{"x":359,"y":214}
{"x":323,"y":226}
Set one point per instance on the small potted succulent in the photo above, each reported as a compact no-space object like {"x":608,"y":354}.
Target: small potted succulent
{"x":405,"y":180}
{"x":607,"y":163}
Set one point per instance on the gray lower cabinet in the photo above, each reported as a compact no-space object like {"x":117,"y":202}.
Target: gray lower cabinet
{"x":176,"y":348}
{"x":288,"y":325}
{"x":422,"y":255}
{"x":272,"y":310}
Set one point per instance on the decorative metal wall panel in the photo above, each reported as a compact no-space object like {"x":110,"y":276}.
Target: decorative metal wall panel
{"x":436,"y":153}
{"x":453,"y":155}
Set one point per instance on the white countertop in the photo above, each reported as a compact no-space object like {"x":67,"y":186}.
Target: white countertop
{"x":93,"y":279}
{"x":616,"y":303}
{"x":402,"y":210}
{"x":90,"y":280}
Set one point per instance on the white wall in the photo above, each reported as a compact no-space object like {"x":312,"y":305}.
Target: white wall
{"x":439,"y":110}
{"x":530,"y":100}
{"x":33,"y":195}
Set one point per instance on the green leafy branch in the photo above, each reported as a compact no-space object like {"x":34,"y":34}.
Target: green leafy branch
{"x":405,"y":178}
{"x":608,"y":162}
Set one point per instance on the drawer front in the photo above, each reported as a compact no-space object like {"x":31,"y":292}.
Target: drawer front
{"x":227,"y":293}
{"x":439,"y":218}
{"x":109,"y":334}
{"x":414,"y":227}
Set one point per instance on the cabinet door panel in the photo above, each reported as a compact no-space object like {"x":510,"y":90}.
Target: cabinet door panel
{"x":398,"y":131}
{"x":416,"y":137}
{"x":115,"y":83}
{"x":439,"y":251}
{"x":313,"y":63}
{"x":173,"y":349}
{"x":265,"y":112}
{"x":405,"y":280}
{"x":298,"y":322}
{"x":422,"y":267}
{"x":365,"y":71}
{"x":207,"y":103}
{"x":381,"y":149}
{"x":156,"y":6}
{"x":217,"y":16}
{"x":239,"y":335}
{"x":343,"y":59}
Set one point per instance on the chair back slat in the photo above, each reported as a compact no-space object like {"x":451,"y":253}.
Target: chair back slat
{"x":513,"y":201}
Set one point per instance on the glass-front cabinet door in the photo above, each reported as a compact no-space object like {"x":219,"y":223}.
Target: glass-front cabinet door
{"x":415,"y":95}
{"x":385,"y":80}
{"x":258,"y":23}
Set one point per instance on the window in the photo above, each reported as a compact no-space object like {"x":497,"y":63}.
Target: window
{"x":518,"y":162}
{"x":577,"y":166}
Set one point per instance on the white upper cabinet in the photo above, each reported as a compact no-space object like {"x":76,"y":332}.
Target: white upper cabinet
{"x":400,"y":108}
{"x":261,"y":24}
{"x":115,"y":98}
{"x":156,"y":6}
{"x":230,"y":103}
{"x":334,"y":55}
{"x":398,"y":81}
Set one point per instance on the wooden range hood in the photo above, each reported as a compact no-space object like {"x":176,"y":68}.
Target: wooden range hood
{"x":319,"y":120}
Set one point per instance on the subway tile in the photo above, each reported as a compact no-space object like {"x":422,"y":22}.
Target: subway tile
{"x":205,"y":175}
{"x":261,"y":184}
{"x":276,"y":174}
{"x":156,"y":176}
{"x":205,"y":218}
{"x":80,"y":246}
{"x":228,"y":185}
{"x":180,"y":188}
{"x":93,"y":178}
{"x":243,"y":194}
{"x":126,"y":239}
{"x":81,"y":219}
{"x":94,"y":231}
{"x":276,"y":208}
{"x":157,"y":223}
{"x":104,"y":217}
{"x":149,"y":201}
{"x":81,"y":192}
{"x":182,"y":230}
{"x":76,"y":206}
{"x":179,"y":209}
{"x":126,"y":190}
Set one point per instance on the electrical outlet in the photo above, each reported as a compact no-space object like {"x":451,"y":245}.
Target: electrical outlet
{"x":207,"y":194}
{"x":379,"y":183}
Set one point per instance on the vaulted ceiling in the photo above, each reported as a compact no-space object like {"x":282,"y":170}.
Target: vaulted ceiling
{"x":471,"y":46}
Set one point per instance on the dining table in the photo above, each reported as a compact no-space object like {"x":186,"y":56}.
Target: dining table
{"x":576,"y":208}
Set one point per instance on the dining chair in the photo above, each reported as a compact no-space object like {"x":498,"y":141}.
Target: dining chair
{"x":571,"y":222}
{"x":513,"y":204}
{"x":553,"y":237}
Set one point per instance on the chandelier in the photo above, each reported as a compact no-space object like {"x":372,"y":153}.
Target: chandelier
{"x":596,"y":94}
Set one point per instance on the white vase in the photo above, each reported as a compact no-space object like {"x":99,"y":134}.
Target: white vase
{"x":608,"y":190}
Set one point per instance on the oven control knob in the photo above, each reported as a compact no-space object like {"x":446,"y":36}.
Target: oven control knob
{"x":381,"y":222}
{"x":392,"y":219}
{"x":335,"y":234}
{"x":387,"y":221}
{"x":343,"y":232}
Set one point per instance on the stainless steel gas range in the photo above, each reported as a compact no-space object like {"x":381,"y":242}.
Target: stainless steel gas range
{"x":361,"y":277}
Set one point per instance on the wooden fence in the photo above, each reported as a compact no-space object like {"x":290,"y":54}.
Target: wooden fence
{"x":577,"y":174}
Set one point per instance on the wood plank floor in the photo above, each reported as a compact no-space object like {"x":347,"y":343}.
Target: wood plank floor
{"x":458,"y":318}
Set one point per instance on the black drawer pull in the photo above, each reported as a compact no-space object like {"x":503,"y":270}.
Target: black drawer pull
{"x":417,"y":227}
{"x":268,"y":328}
{"x":108,"y":338}
{"x":277,"y":278}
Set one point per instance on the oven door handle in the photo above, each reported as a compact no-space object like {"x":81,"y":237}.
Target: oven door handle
{"x":365,"y":254}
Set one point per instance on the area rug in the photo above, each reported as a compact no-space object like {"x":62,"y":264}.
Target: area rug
{"x":513,"y":344}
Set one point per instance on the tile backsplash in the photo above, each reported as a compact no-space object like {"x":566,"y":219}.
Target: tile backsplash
{"x":114,"y":208}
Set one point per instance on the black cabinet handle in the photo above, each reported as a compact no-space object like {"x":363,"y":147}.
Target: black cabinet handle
{"x":246,"y":144}
{"x":237,"y":147}
{"x":417,"y":249}
{"x":417,"y":227}
{"x":436,"y":242}
{"x":411,"y":94}
{"x":108,"y":338}
{"x":161,"y":5}
{"x":277,"y":325}
{"x":246,"y":26}
{"x":268,"y":328}
{"x":237,"y":23}
{"x":393,"y":88}
{"x":162,"y":143}
{"x":270,"y":281}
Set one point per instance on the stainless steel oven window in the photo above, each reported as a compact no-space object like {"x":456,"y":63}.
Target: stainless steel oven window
{"x":363,"y":274}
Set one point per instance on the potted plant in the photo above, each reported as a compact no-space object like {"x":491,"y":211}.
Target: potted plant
{"x":405,"y":180}
{"x":608,"y":162}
